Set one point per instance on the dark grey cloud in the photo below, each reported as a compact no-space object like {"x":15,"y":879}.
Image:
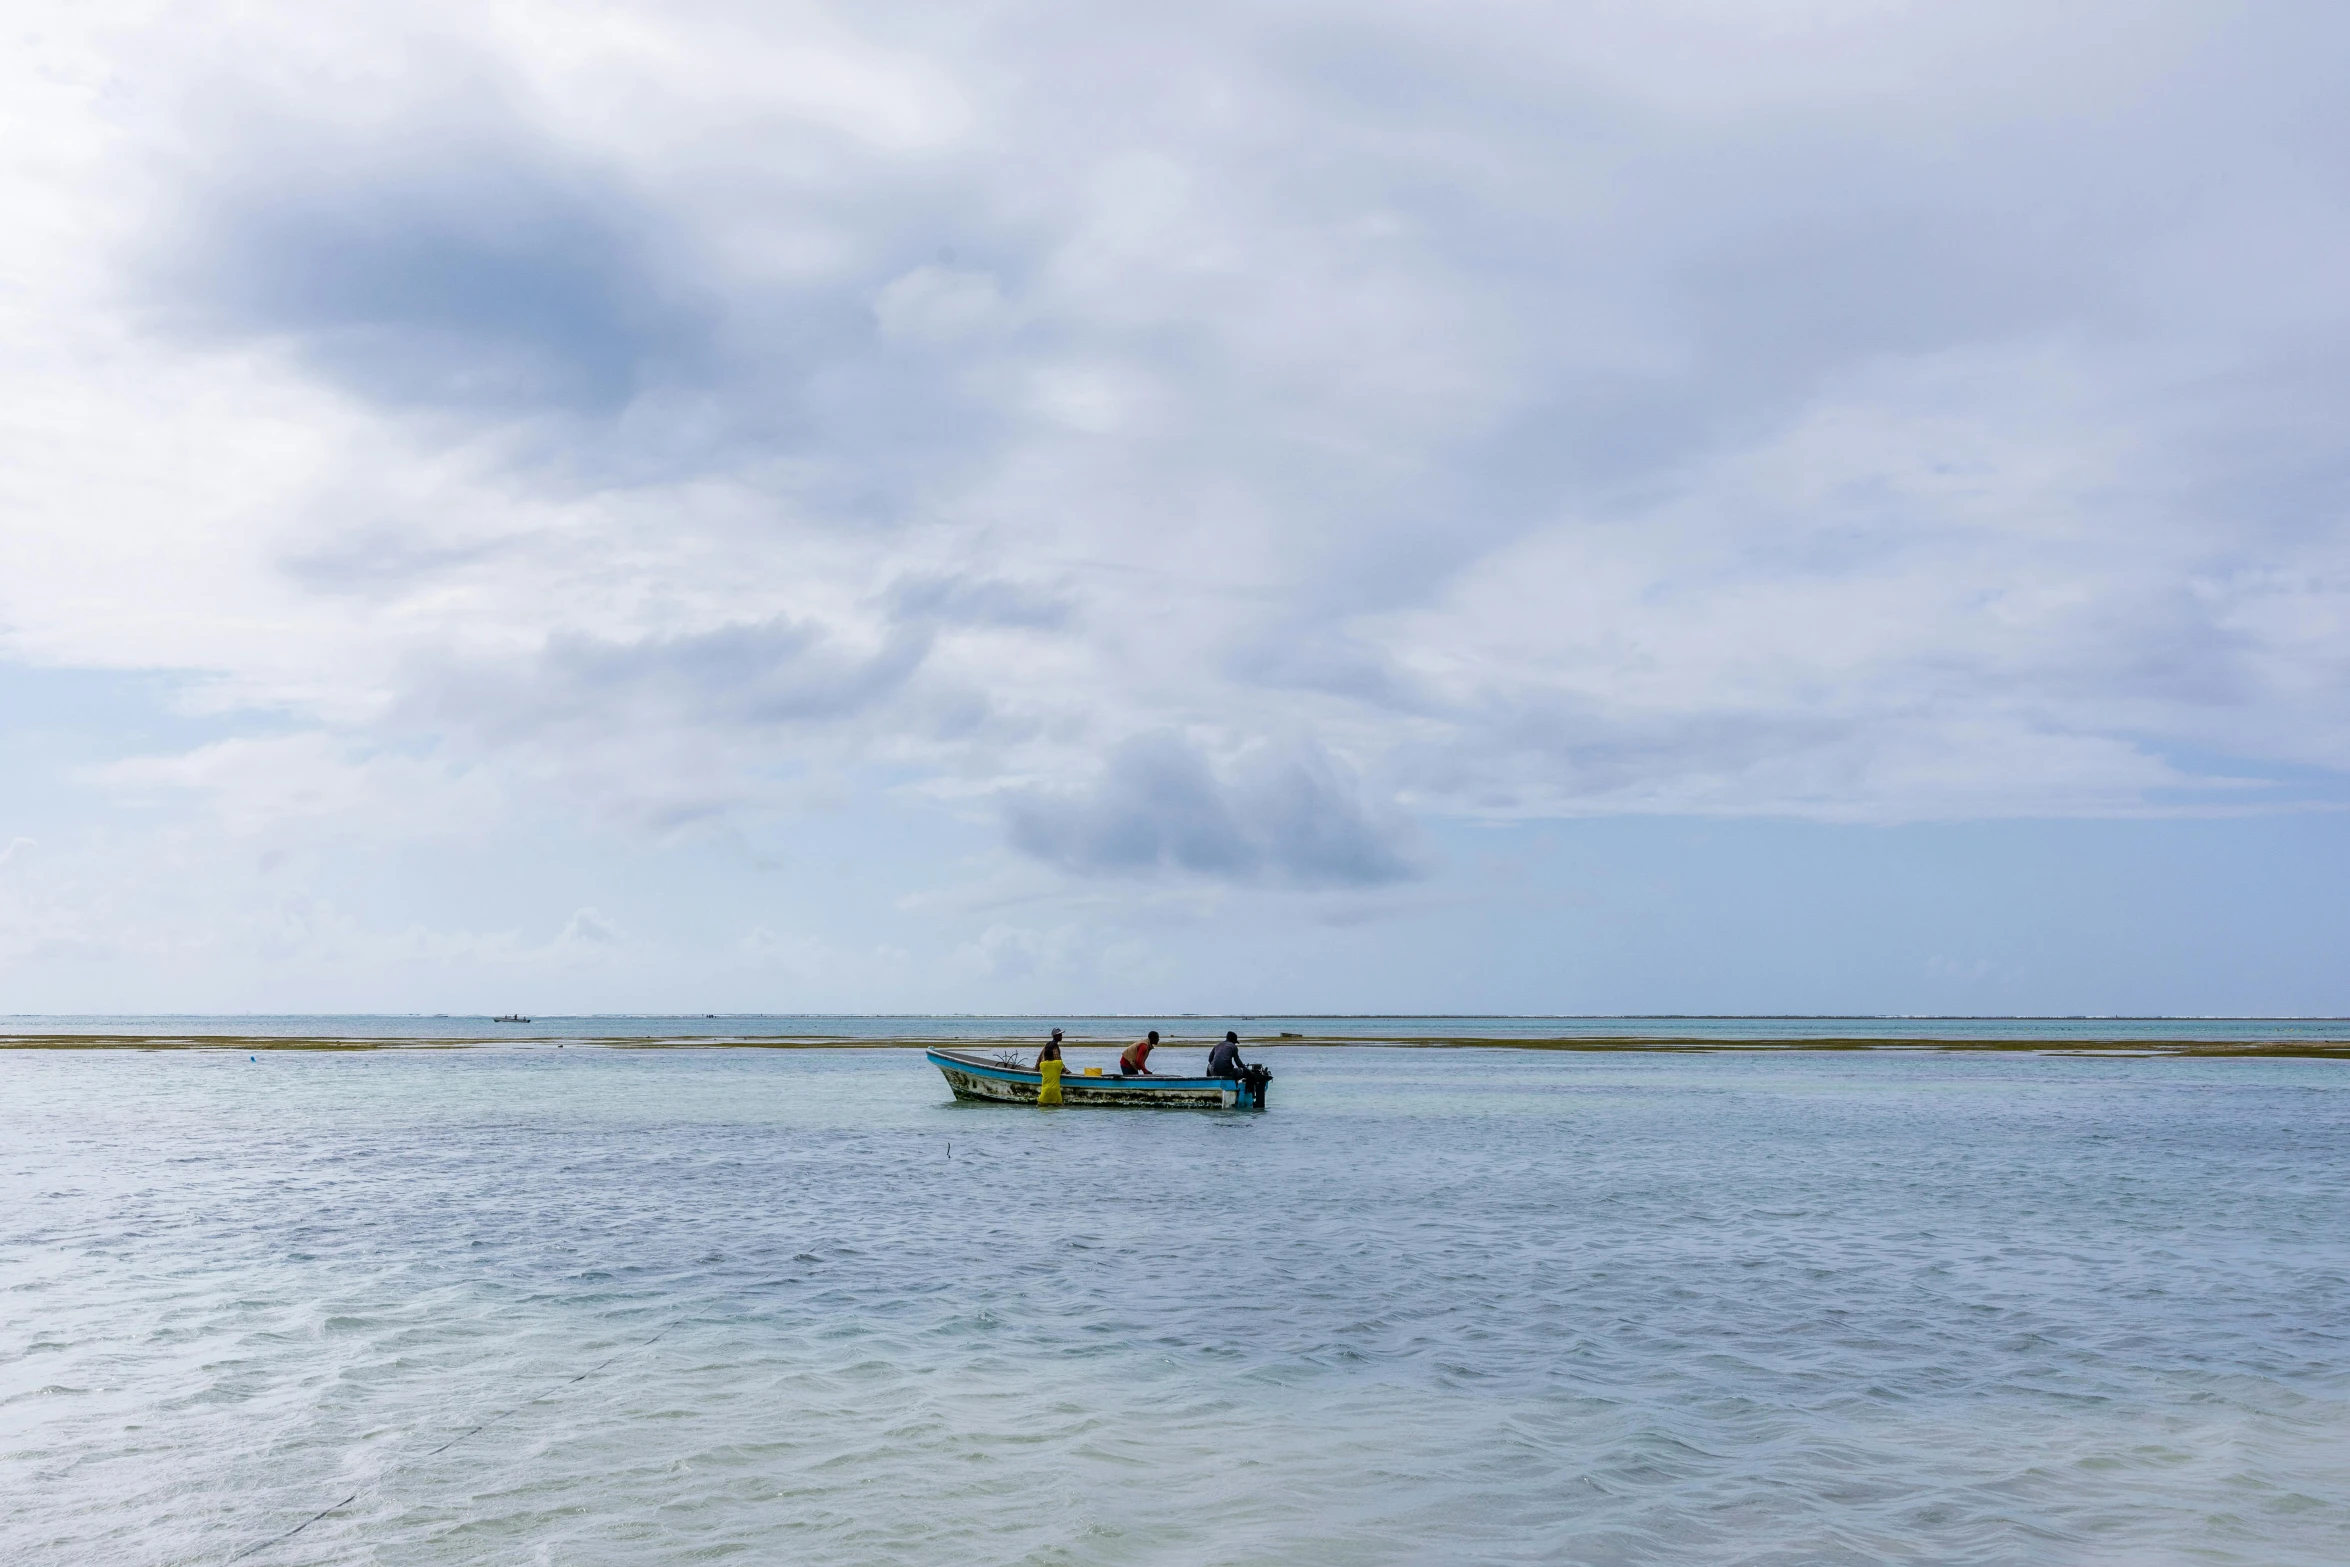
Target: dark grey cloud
{"x":462,"y":269}
{"x":1296,"y":818}
{"x":465,"y":267}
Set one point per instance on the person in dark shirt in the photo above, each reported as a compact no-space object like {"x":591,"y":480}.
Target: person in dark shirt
{"x":1132,"y":1062}
{"x":1224,"y":1060}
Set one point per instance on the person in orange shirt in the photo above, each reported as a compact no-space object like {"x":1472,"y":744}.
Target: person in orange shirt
{"x":1132,"y":1061}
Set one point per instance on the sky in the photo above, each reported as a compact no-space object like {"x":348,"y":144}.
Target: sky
{"x":1586,"y":508}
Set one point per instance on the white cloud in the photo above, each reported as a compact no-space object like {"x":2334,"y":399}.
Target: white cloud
{"x":940,"y":306}
{"x":292,"y":787}
{"x":587,"y":931}
{"x":1017,"y":952}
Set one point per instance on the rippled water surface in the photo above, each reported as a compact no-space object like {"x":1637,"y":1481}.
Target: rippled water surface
{"x":611,"y":1306}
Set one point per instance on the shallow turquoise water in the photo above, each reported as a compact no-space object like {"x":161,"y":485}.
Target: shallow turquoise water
{"x":632,"y":1307}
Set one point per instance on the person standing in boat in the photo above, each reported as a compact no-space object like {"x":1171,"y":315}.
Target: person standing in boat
{"x":1133,"y":1062}
{"x":1049,"y":1066}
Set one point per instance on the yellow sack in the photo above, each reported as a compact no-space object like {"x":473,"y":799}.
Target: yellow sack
{"x":1050,"y":1093}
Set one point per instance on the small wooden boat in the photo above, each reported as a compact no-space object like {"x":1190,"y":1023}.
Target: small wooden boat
{"x":1005,"y":1081}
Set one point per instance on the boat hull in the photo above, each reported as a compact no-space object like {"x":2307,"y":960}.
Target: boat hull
{"x":978,"y":1079}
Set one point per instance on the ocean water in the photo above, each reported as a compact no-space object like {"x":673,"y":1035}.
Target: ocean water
{"x":684,"y":1306}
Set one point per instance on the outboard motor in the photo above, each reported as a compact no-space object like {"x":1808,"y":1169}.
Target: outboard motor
{"x":1254,"y":1079}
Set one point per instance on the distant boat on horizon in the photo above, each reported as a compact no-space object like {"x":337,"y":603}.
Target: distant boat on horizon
{"x":511,"y":1017}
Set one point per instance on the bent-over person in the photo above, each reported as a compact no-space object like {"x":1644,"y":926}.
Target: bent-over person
{"x":1134,"y":1060}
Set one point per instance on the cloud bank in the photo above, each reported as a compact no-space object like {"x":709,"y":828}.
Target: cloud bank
{"x":1295,"y":819}
{"x":1194,"y":450}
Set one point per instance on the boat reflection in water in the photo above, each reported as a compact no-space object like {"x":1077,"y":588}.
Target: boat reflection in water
{"x":1004,"y":1080}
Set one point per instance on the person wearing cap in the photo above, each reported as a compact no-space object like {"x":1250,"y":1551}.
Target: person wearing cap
{"x":1132,"y":1062}
{"x":1049,"y":1066}
{"x":1224,"y":1060}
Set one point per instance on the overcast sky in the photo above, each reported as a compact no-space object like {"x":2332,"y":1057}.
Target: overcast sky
{"x":1585,"y":507}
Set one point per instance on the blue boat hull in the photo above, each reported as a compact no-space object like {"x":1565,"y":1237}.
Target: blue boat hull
{"x":978,"y":1078}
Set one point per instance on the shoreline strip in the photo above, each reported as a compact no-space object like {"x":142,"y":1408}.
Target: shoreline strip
{"x":2119,"y":1048}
